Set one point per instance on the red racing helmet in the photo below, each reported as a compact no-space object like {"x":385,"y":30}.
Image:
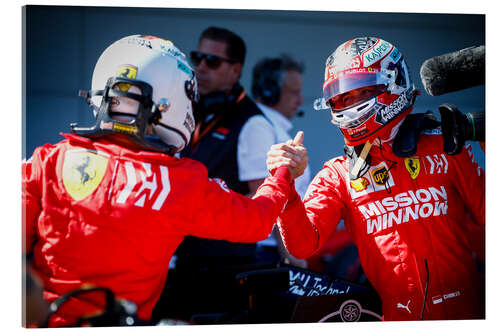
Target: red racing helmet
{"x":368,"y":89}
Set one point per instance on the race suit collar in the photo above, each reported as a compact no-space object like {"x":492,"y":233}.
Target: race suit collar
{"x":125,"y":146}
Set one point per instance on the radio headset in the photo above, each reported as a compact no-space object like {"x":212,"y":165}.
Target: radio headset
{"x":266,"y":81}
{"x":221,"y":98}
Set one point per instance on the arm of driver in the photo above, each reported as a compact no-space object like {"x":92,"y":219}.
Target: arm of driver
{"x":305,"y":226}
{"x":223,"y":214}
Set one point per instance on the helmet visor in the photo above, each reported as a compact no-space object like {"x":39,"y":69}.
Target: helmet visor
{"x":355,"y":97}
{"x":352,"y":81}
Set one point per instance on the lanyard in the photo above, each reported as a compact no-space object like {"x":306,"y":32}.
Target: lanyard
{"x":197,"y":136}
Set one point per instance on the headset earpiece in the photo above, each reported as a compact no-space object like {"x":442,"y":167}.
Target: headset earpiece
{"x":266,"y":85}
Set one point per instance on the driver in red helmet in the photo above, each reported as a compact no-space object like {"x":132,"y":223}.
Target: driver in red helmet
{"x":408,"y":215}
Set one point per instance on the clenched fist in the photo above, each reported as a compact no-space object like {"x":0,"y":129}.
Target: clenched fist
{"x":291,"y":154}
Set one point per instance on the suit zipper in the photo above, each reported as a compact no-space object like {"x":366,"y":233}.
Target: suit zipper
{"x":426,"y":289}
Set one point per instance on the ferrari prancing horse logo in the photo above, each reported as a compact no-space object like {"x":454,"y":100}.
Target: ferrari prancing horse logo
{"x":83,"y":171}
{"x":129,"y":72}
{"x":413,"y":166}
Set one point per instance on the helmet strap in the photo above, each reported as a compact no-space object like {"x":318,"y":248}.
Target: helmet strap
{"x":359,"y":159}
{"x":136,"y":130}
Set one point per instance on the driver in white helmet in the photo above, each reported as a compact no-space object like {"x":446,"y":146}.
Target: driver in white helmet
{"x":109,"y":204}
{"x":409,"y":212}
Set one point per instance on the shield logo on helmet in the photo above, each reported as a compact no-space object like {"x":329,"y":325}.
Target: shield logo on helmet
{"x":126,"y":71}
{"x":412,"y":164}
{"x":83,"y":171}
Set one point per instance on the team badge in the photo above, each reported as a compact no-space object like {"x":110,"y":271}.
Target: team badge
{"x":126,"y":71}
{"x":380,"y":175}
{"x":436,"y":164}
{"x":413,"y":166}
{"x":83,"y":171}
{"x":359,"y":184}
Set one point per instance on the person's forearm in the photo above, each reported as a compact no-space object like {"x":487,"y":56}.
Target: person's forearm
{"x":299,"y":234}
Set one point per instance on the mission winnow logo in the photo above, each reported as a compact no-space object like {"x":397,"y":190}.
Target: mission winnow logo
{"x":404,"y":207}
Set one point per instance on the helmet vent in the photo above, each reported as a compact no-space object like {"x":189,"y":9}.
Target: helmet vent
{"x":361,"y":107}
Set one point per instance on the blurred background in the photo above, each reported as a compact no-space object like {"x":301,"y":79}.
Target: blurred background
{"x":62,"y":44}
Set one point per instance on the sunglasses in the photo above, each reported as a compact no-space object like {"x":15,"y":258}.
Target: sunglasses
{"x":212,"y":61}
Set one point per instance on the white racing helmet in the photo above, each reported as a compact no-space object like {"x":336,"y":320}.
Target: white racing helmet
{"x":140,"y":81}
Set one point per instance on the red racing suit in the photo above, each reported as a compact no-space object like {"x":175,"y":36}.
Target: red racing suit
{"x":96,"y":212}
{"x":409,"y":218}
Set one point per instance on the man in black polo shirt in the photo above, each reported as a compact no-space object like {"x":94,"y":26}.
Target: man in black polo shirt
{"x":203,"y":279}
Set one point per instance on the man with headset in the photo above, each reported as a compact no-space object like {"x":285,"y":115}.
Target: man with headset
{"x":277,"y":88}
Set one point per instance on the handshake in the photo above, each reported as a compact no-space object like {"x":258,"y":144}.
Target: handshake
{"x":291,"y":154}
